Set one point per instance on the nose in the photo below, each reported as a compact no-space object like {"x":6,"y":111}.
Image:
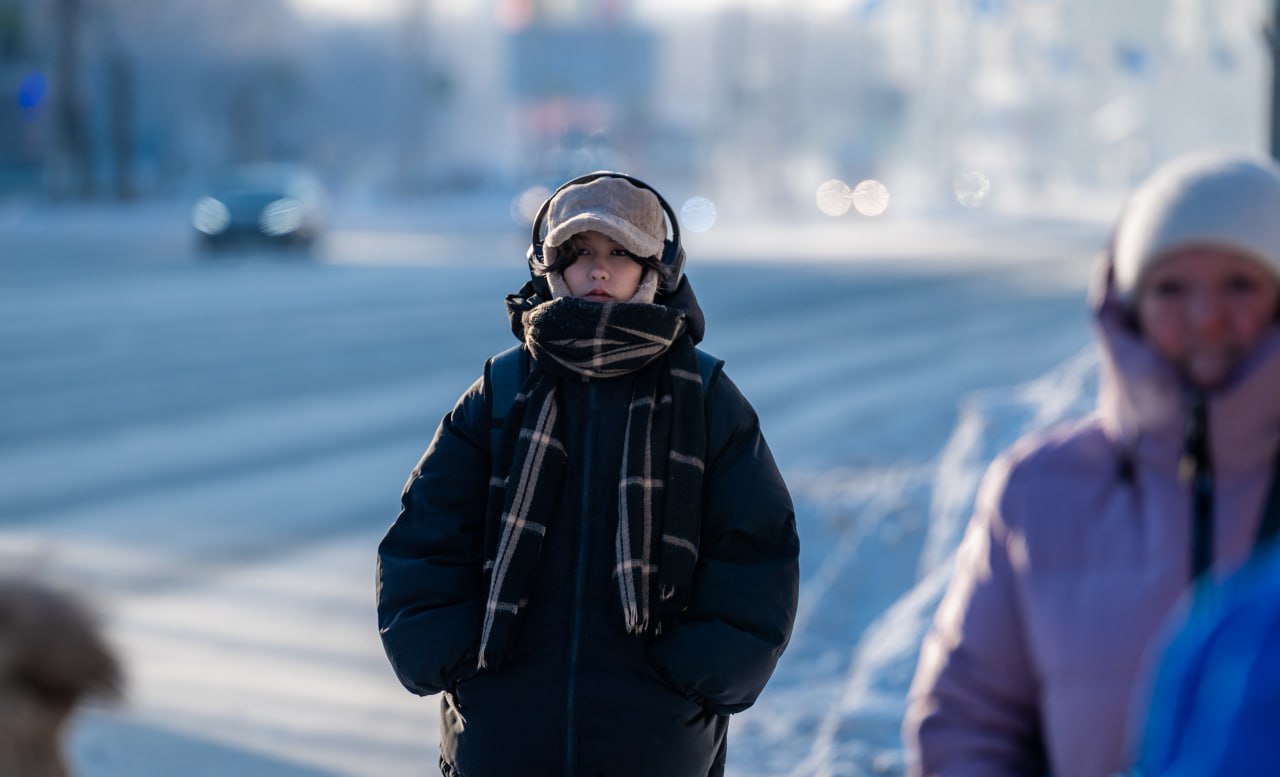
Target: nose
{"x":599,"y":269}
{"x":1208,"y":313}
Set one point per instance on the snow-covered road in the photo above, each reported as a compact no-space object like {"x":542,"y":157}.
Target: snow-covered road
{"x":213,"y":450}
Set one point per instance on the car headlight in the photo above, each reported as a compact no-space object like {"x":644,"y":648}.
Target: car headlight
{"x":281,"y":217}
{"x":210,"y":216}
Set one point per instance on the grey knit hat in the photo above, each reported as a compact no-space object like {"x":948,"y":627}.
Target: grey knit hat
{"x":612,"y":206}
{"x":1211,"y":199}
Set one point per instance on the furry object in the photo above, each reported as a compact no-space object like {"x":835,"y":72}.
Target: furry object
{"x":52,"y":655}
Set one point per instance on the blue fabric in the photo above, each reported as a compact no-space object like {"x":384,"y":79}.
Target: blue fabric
{"x":1215,"y":706}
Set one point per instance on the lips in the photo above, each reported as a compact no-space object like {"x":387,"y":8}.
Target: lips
{"x":598,"y":295}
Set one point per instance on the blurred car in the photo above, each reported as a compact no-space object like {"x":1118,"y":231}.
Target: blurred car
{"x":261,"y":205}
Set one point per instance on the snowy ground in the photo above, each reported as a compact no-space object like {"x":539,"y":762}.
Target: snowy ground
{"x":212,"y":450}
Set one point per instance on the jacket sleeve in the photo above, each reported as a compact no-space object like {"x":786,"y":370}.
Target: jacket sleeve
{"x":430,"y":586}
{"x":972,"y":709}
{"x":745,"y":586}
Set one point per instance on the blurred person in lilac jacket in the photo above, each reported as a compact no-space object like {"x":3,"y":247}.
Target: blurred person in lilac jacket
{"x":1085,"y":536}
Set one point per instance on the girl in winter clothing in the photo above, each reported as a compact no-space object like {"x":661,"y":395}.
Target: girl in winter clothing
{"x":598,"y":581}
{"x":1085,"y":536}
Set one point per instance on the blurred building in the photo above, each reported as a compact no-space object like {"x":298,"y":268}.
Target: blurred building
{"x":753,"y":102}
{"x":581,"y":77}
{"x":1047,"y":95}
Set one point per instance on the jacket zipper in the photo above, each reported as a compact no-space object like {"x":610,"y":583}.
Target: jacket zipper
{"x":580,"y":583}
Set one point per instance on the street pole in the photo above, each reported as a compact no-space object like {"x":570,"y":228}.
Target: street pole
{"x":1273,"y":47}
{"x":412,"y":125}
{"x":74,"y":172}
{"x":120,"y":76}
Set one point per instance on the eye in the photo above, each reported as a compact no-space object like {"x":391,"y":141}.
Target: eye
{"x":1167,"y":288}
{"x":581,"y":251}
{"x":1239,"y":283}
{"x":620,"y":252}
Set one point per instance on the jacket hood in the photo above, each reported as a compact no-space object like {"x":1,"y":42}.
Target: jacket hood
{"x":537,"y":291}
{"x":1144,"y":403}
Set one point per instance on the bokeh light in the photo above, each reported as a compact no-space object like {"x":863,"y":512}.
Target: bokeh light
{"x":32,"y":90}
{"x":698,"y":214}
{"x":210,"y":216}
{"x":834,"y":197}
{"x":282,"y":217}
{"x":870,"y":197}
{"x":971,"y":188}
{"x":524,"y":208}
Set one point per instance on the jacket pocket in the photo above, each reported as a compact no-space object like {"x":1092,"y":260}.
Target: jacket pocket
{"x":691,"y":710}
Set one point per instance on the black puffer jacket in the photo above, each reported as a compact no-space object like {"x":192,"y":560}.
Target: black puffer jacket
{"x":576,"y":695}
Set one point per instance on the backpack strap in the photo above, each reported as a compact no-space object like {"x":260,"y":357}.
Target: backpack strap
{"x":506,"y":372}
{"x":708,"y":367}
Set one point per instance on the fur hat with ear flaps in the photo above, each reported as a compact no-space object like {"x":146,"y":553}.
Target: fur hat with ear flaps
{"x":1220,"y":200}
{"x":51,"y":656}
{"x":611,"y":206}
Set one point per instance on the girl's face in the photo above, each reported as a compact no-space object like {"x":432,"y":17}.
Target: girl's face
{"x":1205,"y":309}
{"x":603,"y":270}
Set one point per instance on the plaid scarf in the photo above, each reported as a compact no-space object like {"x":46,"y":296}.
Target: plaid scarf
{"x":660,"y":483}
